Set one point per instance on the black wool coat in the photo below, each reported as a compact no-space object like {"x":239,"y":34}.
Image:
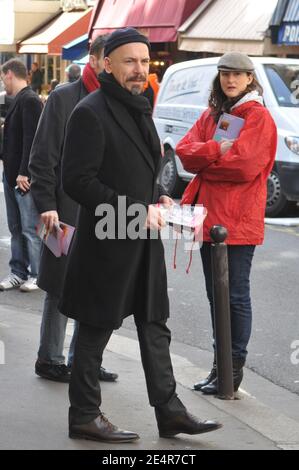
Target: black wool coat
{"x":19,"y":128}
{"x":106,"y":156}
{"x":5,"y":102}
{"x":45,"y":170}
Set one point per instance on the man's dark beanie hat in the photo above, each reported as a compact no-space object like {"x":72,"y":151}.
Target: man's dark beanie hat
{"x":124,"y":36}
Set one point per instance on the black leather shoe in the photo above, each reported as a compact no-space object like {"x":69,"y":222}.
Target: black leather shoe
{"x":183,"y":423}
{"x":212,"y":375}
{"x":55,"y":372}
{"x":100,"y":429}
{"x":107,"y":376}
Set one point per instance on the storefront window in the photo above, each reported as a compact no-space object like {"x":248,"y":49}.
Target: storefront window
{"x":50,"y":68}
{"x":58,"y":68}
{"x":43,"y":66}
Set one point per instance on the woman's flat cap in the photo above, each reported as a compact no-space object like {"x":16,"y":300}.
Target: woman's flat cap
{"x":236,"y":62}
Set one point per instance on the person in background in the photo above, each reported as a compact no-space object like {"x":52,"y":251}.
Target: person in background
{"x":73,"y":73}
{"x":151,"y":89}
{"x":53,"y":84}
{"x":36,"y":78}
{"x":5,"y":102}
{"x":53,"y":204}
{"x":231,"y":182}
{"x":22,"y":216}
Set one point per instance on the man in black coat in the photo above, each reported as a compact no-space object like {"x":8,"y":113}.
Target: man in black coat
{"x":110,"y":167}
{"x":36,"y":76}
{"x":54,"y":205}
{"x":19,"y":129}
{"x":5,"y":102}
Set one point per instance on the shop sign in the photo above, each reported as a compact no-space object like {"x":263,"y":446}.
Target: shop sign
{"x":7,"y":23}
{"x":289,"y":34}
{"x":71,"y":5}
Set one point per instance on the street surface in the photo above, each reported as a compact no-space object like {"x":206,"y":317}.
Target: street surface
{"x":275,"y":276}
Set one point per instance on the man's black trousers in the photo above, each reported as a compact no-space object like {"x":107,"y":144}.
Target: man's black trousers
{"x":85,"y":392}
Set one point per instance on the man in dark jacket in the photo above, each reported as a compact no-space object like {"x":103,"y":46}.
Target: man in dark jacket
{"x":36,"y":77}
{"x":5,"y":102}
{"x":112,"y":158}
{"x":19,"y":129}
{"x":54,"y":205}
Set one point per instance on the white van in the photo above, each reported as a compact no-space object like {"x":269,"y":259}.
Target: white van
{"x":183,"y":96}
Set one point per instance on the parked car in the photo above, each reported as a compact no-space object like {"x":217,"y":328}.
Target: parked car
{"x":184,"y":96}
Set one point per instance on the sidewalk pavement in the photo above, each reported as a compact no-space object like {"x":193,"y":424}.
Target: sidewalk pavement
{"x":34,"y":411}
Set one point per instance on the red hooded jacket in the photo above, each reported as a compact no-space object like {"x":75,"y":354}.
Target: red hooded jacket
{"x":233,"y":186}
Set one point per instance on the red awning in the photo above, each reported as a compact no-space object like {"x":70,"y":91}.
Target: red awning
{"x":159,"y":19}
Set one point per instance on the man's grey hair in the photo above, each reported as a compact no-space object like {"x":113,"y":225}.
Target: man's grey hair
{"x":74,"y":72}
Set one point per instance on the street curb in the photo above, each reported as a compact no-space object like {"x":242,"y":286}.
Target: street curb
{"x":273,"y":425}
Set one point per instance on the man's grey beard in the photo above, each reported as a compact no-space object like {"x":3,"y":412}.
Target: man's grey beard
{"x":135,"y":91}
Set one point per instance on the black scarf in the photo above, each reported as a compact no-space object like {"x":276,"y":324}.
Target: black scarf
{"x":230,"y":102}
{"x":138,"y":107}
{"x":226,"y":106}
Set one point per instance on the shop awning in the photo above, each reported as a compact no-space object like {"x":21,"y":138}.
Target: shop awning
{"x":75,"y":49}
{"x":279,"y":12}
{"x":83,"y":61}
{"x":220,"y":26}
{"x":286,"y":11}
{"x":292,"y":13}
{"x":158,"y":19}
{"x":51,"y":38}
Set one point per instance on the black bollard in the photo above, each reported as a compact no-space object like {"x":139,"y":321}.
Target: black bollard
{"x":222,"y":321}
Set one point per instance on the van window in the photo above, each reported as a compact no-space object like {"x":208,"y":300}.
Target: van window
{"x":190,"y":86}
{"x":284,"y":80}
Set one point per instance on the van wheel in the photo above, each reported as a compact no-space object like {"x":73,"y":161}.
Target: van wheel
{"x":168,"y":177}
{"x":277,"y":203}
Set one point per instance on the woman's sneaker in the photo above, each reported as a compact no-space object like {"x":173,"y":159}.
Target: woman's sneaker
{"x":11,"y":281}
{"x":29,"y":285}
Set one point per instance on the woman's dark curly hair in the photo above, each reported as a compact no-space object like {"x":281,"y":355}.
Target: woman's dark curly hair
{"x":219,"y":102}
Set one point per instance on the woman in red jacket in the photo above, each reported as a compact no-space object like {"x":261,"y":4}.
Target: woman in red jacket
{"x":231,"y":182}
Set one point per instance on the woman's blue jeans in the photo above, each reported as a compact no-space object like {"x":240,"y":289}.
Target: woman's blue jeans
{"x":239,"y":261}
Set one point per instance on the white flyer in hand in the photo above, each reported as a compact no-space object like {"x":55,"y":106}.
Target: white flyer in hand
{"x":184,"y":217}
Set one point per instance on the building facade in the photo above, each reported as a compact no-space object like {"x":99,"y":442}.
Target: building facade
{"x":159,"y":20}
{"x":284,"y":28}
